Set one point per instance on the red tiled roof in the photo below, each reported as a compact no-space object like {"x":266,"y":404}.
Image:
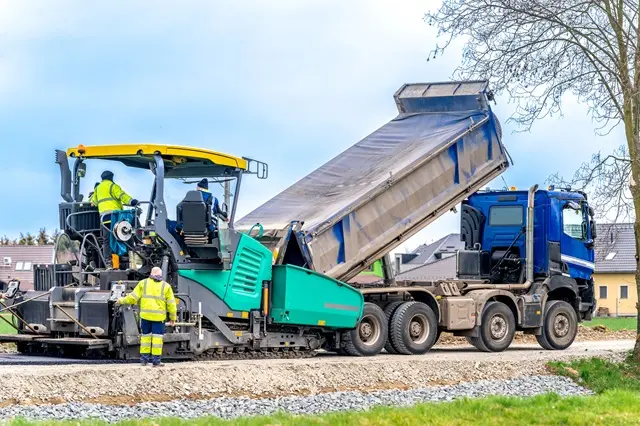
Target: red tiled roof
{"x":21,"y":254}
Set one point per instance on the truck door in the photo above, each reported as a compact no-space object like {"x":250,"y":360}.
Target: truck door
{"x":575,"y":242}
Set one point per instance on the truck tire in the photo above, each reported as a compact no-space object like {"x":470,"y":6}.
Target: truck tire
{"x":497,"y":328}
{"x":560,"y":326}
{"x":370,"y":335}
{"x":389,"y":310}
{"x":477,"y":343}
{"x":413,"y":328}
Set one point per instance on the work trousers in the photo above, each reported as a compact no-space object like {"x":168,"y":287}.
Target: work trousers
{"x":106,"y":239}
{"x":151,"y":341}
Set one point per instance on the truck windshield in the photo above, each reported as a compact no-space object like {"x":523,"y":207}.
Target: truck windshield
{"x":573,"y":223}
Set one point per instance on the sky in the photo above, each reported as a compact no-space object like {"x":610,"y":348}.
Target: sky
{"x":290,"y":83}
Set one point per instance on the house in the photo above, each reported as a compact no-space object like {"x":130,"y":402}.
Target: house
{"x":440,"y":269}
{"x":429,"y":253}
{"x":17,"y":262}
{"x":614,"y":276}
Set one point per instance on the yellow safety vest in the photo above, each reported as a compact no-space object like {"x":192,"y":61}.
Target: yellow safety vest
{"x":108,"y":196}
{"x":156,"y":300}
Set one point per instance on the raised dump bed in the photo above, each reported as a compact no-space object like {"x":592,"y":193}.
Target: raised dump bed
{"x":444,"y":144}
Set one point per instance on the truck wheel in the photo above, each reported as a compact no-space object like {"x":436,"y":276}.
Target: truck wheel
{"x":370,"y":335}
{"x":437,"y":336}
{"x":413,"y":328}
{"x":477,"y":343}
{"x":389,"y":310}
{"x":498,"y":327}
{"x":560,"y":326}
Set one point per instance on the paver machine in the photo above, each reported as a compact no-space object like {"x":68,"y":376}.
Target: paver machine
{"x":233,"y":302}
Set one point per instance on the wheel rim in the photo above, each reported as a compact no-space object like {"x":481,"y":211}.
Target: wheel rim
{"x":419,"y":329}
{"x":561,"y":325}
{"x":369,"y":330}
{"x":499,"y":328}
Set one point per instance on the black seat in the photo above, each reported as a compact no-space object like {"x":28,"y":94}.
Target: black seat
{"x":194,"y":218}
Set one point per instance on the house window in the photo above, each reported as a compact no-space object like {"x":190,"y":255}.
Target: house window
{"x":603,"y":292}
{"x":506,"y":216}
{"x":624,"y":292}
{"x":23,"y":266}
{"x":611,"y":255}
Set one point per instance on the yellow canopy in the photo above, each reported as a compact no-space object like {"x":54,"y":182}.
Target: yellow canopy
{"x":175,"y":156}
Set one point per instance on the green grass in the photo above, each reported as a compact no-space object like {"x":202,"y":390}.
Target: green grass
{"x":4,"y":327}
{"x":613,"y":407}
{"x":620,"y":323}
{"x":600,"y":375}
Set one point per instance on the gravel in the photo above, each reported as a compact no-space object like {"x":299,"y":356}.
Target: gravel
{"x":229,"y":408}
{"x":128,"y":384}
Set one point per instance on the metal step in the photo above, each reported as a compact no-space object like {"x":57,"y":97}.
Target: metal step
{"x":14,"y":338}
{"x":78,"y":341}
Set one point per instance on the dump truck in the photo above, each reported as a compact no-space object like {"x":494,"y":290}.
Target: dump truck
{"x":273,"y":284}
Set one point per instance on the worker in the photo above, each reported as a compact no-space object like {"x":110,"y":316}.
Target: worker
{"x":156,"y":300}
{"x":203,"y":186}
{"x":108,"y":197}
{"x":94,"y":190}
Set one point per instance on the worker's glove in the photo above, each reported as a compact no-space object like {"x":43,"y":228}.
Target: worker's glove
{"x":133,"y":202}
{"x":172,"y":323}
{"x":117,"y":303}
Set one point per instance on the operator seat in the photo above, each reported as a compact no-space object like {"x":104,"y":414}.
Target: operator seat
{"x":194,"y":218}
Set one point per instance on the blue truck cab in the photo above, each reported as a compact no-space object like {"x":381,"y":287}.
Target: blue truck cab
{"x":494,"y":228}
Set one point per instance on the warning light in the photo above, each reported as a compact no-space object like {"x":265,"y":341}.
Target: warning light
{"x":81,"y":149}
{"x":513,"y":188}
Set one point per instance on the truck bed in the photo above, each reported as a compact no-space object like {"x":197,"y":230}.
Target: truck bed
{"x":444,"y":144}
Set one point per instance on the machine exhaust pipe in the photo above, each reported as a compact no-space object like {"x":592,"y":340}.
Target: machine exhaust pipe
{"x":528,"y":251}
{"x":529,"y":236}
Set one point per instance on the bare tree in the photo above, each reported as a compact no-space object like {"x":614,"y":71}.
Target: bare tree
{"x":606,"y":179}
{"x":539,"y":51}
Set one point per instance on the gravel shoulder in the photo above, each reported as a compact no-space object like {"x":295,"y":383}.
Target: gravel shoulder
{"x":130,"y":384}
{"x":230,"y":408}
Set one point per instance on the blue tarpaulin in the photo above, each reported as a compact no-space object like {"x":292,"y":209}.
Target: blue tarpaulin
{"x":118,"y":247}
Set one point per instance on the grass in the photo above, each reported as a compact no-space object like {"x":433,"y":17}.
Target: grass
{"x":600,"y":375}
{"x":619,"y":323}
{"x":4,"y":327}
{"x":618,"y":407}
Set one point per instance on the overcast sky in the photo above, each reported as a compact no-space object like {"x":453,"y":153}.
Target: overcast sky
{"x":291,"y":83}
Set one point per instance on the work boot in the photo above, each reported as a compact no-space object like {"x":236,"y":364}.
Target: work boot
{"x":158,"y":365}
{"x":144,"y":362}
